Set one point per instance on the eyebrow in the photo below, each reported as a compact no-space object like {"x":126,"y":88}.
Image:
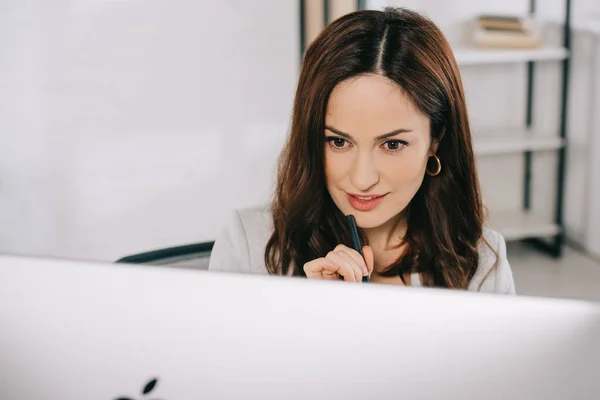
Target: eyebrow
{"x":380,"y":137}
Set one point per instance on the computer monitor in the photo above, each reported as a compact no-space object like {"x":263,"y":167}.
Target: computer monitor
{"x":75,"y":330}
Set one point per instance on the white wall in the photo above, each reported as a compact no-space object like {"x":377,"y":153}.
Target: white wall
{"x":593,"y":233}
{"x":582,"y":214}
{"x":581,"y":109}
{"x":133,"y":125}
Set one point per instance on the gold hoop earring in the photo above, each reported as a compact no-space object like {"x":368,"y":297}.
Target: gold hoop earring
{"x":437,"y":170}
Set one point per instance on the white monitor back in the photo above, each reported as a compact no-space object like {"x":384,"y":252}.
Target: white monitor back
{"x":75,"y":331}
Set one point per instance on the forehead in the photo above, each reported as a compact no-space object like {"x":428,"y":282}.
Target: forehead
{"x":371,"y":102}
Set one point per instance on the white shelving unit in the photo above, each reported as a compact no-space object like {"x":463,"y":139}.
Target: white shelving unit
{"x":519,"y":224}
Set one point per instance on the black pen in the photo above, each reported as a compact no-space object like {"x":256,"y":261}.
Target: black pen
{"x":351,"y":222}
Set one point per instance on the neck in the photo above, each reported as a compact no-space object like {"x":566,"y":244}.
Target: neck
{"x":388,"y":236}
{"x":386,"y":242}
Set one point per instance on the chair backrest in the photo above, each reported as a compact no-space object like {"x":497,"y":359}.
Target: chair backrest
{"x":192,"y":256}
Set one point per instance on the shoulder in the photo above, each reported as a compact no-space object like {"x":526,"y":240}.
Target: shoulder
{"x":255,"y":219}
{"x":248,"y":222}
{"x":493,"y":272}
{"x":240,"y":245}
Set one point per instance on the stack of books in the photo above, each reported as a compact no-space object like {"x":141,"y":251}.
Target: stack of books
{"x":506,"y":32}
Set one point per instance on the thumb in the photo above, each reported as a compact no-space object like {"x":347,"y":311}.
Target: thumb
{"x":369,"y":258}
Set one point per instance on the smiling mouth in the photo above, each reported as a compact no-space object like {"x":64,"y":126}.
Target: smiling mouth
{"x":364,"y":202}
{"x":366,"y":197}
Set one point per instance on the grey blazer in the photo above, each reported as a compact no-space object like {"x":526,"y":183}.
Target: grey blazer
{"x":240,"y":247}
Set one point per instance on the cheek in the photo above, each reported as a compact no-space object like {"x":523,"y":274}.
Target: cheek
{"x":405,"y":168}
{"x":335,"y":167}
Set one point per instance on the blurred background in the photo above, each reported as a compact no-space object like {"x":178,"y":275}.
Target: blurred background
{"x":128,"y":126}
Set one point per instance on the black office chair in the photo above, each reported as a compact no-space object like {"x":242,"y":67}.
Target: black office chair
{"x":191,"y":256}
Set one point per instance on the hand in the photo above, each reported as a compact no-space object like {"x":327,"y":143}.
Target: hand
{"x":341,"y":262}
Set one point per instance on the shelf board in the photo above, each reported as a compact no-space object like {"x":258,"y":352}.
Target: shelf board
{"x":592,"y":26}
{"x":516,"y":225}
{"x":515,"y":142}
{"x":476,"y":56}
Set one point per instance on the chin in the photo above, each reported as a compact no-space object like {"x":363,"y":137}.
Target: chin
{"x":370,"y":220}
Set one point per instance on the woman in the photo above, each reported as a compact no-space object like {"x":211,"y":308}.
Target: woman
{"x":379,"y":130}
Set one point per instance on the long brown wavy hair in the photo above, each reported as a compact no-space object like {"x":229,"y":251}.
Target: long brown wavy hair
{"x":445,"y":217}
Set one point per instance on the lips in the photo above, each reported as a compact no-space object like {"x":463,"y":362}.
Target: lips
{"x":364,"y":202}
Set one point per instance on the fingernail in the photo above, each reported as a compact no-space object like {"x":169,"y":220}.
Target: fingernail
{"x":365,"y":271}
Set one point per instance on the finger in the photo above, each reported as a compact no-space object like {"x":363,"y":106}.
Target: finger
{"x":358,"y":271}
{"x":320,"y":268}
{"x":344,"y":268}
{"x":358,"y":259}
{"x":369,"y":258}
{"x":331,"y":272}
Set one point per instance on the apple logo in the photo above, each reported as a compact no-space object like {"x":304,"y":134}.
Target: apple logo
{"x":145,"y":391}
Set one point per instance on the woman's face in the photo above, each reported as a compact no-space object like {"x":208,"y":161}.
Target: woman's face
{"x":376,"y":144}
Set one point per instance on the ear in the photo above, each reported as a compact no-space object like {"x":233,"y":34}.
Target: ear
{"x":434,"y":147}
{"x":435,"y":141}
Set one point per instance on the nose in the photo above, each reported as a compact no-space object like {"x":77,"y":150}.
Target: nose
{"x":364,"y":174}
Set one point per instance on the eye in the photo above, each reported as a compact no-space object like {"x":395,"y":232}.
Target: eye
{"x":337,"y":143}
{"x":394,"y":145}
